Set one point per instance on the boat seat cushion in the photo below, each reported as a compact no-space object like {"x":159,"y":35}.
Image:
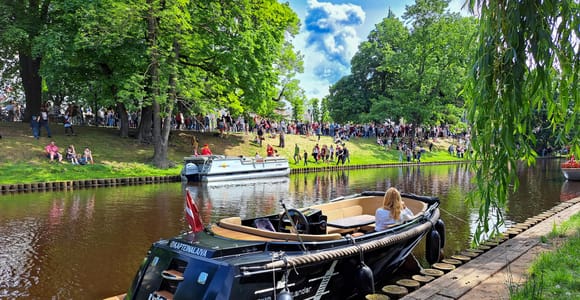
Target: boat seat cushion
{"x":343,"y":212}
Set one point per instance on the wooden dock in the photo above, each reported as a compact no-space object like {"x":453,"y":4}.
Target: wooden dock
{"x":489,"y":275}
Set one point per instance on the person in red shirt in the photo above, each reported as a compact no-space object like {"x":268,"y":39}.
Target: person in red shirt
{"x":52,"y":152}
{"x":269,"y":150}
{"x":205,"y":150}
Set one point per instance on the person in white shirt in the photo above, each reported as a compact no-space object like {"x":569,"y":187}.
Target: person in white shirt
{"x":393,"y":211}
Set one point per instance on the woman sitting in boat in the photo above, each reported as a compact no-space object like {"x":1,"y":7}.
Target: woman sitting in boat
{"x":393,"y":211}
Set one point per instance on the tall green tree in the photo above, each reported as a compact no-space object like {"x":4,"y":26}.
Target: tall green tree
{"x":435,"y":60}
{"x":21,"y":22}
{"x":222,"y":52}
{"x":296,"y":98}
{"x":95,"y":46}
{"x":407,"y":72}
{"x":527,"y":59}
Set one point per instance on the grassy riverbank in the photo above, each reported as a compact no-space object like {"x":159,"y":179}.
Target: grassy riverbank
{"x":554,"y":274}
{"x":22,"y":157}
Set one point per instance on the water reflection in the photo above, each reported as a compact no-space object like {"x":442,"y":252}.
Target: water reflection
{"x":87,"y":244}
{"x":570,"y":190}
{"x":244,"y":198}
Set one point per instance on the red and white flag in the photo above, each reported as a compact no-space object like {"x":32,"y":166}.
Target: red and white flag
{"x":192,"y":213}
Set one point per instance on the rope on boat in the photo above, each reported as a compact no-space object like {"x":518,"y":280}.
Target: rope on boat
{"x":354,"y":249}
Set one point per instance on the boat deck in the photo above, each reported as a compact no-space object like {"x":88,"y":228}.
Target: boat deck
{"x":361,"y":208}
{"x":237,"y":235}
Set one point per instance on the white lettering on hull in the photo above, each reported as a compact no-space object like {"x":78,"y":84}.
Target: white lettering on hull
{"x":188,"y":248}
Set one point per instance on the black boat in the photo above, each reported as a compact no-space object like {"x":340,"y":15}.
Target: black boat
{"x":326,"y":251}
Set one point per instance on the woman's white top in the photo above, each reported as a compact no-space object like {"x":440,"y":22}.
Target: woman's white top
{"x":383,"y":218}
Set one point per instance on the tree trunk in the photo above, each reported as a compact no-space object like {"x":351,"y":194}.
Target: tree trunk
{"x":161,"y":146}
{"x":145,"y":135}
{"x":160,"y":140}
{"x":124,"y":128}
{"x":32,"y":83}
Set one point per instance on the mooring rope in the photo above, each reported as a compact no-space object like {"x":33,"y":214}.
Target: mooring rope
{"x":454,"y":216}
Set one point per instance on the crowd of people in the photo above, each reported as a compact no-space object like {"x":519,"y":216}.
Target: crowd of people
{"x":406,"y":138}
{"x":53,"y":153}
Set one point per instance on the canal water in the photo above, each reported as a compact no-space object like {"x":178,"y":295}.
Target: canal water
{"x":88,"y":244}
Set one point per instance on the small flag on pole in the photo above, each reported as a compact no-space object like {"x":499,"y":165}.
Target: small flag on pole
{"x":192,"y":213}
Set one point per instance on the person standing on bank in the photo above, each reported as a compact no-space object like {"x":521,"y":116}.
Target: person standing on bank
{"x":296,"y":154}
{"x":43,"y":119}
{"x":205,"y":150}
{"x":68,"y":125}
{"x":393,"y":211}
{"x":345,"y":154}
{"x":282,"y":136}
{"x":35,"y":125}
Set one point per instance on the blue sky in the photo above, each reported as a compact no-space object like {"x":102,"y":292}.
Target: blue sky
{"x":330,"y":33}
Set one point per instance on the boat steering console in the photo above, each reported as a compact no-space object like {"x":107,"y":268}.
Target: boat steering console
{"x":308,"y":221}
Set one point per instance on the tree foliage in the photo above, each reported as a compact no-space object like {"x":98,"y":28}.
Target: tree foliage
{"x":527,"y":60}
{"x":21,"y":23}
{"x":154,"y":56}
{"x":408,"y":72}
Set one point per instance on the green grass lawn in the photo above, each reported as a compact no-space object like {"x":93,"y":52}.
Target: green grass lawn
{"x":22,"y":157}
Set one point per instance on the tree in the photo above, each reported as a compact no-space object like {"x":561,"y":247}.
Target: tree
{"x":95,"y":46}
{"x":21,"y":22}
{"x":222,"y":52}
{"x":410,"y":73}
{"x":296,"y":98}
{"x":527,"y":58}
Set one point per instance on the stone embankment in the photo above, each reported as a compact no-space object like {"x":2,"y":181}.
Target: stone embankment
{"x":85,"y":183}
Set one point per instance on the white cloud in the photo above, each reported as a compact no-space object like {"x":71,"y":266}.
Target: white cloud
{"x":328,"y":40}
{"x":331,"y":33}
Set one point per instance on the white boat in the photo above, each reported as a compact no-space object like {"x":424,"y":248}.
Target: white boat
{"x":208,"y":168}
{"x":570,"y":190}
{"x":571,"y":173}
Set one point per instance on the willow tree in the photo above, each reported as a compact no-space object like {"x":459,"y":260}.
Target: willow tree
{"x":527,"y":59}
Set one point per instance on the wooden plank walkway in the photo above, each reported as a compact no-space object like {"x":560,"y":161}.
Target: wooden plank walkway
{"x":488,"y":275}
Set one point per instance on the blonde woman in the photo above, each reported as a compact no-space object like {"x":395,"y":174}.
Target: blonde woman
{"x":393,"y":211}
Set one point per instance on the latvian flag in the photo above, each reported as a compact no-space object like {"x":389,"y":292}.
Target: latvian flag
{"x":192,"y":213}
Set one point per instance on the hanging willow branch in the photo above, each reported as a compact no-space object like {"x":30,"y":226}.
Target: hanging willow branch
{"x":527,"y":59}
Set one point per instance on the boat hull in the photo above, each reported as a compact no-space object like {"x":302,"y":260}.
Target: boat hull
{"x":213,"y":267}
{"x":571,"y":173}
{"x":222,"y":168}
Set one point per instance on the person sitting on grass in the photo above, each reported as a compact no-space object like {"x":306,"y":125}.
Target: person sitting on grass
{"x":71,"y":155}
{"x":52,"y":152}
{"x":87,"y":157}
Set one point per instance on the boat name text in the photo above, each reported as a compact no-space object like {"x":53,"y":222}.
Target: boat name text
{"x":188,"y":248}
